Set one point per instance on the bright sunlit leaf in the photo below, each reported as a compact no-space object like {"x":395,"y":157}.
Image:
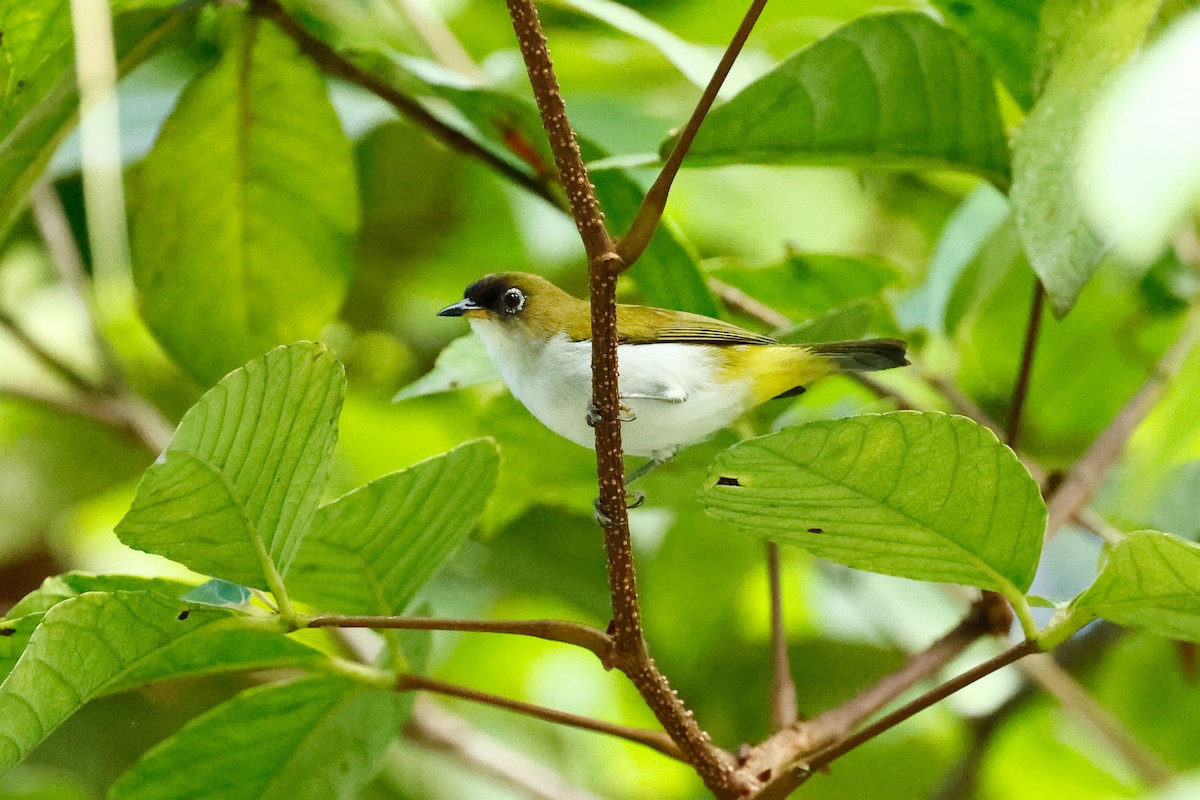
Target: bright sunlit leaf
{"x":920,"y":495}
{"x":464,"y":362}
{"x":238,"y":486}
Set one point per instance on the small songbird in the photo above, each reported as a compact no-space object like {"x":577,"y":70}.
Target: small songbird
{"x":681,"y":376}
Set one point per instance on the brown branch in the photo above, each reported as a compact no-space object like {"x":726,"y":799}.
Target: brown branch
{"x":1021,"y":389}
{"x":634,"y":243}
{"x":629,"y":653}
{"x":333,"y":63}
{"x":1085,"y":476}
{"x":775,"y":756}
{"x":129,"y":416}
{"x":783,"y":687}
{"x":553,"y":630}
{"x":435,"y":728}
{"x":67,"y":373}
{"x":655,"y":740}
{"x":737,"y":300}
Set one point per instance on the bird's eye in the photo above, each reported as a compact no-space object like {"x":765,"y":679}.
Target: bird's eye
{"x":514,"y":300}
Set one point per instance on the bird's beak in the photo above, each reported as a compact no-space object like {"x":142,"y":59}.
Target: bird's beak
{"x":463,"y":308}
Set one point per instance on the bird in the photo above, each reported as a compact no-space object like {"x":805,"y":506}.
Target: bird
{"x":681,"y":376}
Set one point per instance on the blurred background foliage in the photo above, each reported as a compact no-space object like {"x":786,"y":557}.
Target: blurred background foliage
{"x":400,"y":223}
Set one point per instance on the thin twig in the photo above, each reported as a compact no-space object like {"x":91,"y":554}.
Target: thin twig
{"x":441,"y":41}
{"x":56,"y":365}
{"x":655,"y":740}
{"x":783,"y":686}
{"x":130,"y":416}
{"x":333,"y":63}
{"x":634,"y":243}
{"x":784,"y":748}
{"x":1043,"y":669}
{"x":433,"y":727}
{"x":1085,"y":476}
{"x":554,"y":630}
{"x":737,"y":300}
{"x":1021,"y":389}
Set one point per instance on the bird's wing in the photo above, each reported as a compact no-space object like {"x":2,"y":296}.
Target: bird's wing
{"x":645,"y":325}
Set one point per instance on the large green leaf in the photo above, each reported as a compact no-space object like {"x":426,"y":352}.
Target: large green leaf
{"x":1150,"y":580}
{"x":41,"y":101}
{"x":1005,"y":33}
{"x":238,"y":487}
{"x":245,"y":208}
{"x":667,"y":273}
{"x":921,"y":495}
{"x":101,"y":643}
{"x":891,"y":91}
{"x":318,"y":737}
{"x":1091,"y":39}
{"x":370,"y":550}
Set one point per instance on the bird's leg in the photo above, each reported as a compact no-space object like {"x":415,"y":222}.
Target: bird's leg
{"x":643,"y":470}
{"x":625,"y":414}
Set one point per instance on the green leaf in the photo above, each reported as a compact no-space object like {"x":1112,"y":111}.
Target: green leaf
{"x":238,"y":487}
{"x":1139,"y":160}
{"x":1005,"y":33}
{"x":667,"y":274}
{"x":250,"y":172}
{"x":871,"y":94}
{"x":99,"y":643}
{"x":920,"y":495}
{"x":850,"y":321}
{"x":1091,"y":40}
{"x":318,"y":737}
{"x":41,"y":101}
{"x":217,"y":592}
{"x":464,"y":362}
{"x":369,"y":551}
{"x":1150,"y":580}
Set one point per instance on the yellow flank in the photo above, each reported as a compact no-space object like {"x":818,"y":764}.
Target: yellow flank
{"x":773,"y":369}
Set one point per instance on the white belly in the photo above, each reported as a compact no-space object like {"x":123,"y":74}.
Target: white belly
{"x":555,"y":384}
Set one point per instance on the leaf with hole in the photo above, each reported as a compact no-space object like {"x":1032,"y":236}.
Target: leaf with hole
{"x":1150,"y":580}
{"x":369,"y":551}
{"x":317,"y":737}
{"x":240,"y":482}
{"x":100,"y":643}
{"x":921,"y":495}
{"x":245,"y":208}
{"x":887,"y":91}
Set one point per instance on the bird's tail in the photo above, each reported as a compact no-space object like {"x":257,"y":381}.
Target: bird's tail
{"x":867,"y":355}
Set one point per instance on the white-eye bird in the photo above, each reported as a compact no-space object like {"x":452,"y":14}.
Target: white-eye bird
{"x":681,"y":376}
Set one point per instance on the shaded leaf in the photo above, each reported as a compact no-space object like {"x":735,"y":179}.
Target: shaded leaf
{"x":1150,"y":580}
{"x":118,"y":641}
{"x":240,"y":482}
{"x":464,"y":362}
{"x":872,"y":94}
{"x":369,"y":551}
{"x":1005,"y":33}
{"x":241,"y":239}
{"x":318,"y":737}
{"x":920,"y":495}
{"x":1092,"y":39}
{"x":850,"y":321}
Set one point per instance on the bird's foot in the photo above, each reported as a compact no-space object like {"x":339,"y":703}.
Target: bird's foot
{"x":624,"y":414}
{"x":632,"y":500}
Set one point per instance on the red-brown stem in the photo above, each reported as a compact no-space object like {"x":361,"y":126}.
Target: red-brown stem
{"x":655,"y":740}
{"x":634,"y":243}
{"x":783,"y":687}
{"x":1021,"y":389}
{"x":553,"y":630}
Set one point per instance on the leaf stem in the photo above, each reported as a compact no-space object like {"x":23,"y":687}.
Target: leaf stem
{"x":783,"y":687}
{"x":656,"y":740}
{"x":333,"y":63}
{"x":592,"y":639}
{"x":1021,"y":388}
{"x":634,"y":243}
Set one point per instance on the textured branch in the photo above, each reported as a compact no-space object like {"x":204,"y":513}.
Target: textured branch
{"x":1085,"y":476}
{"x":652,"y":739}
{"x":553,"y":630}
{"x":333,"y":63}
{"x":629,"y":652}
{"x":633,"y":244}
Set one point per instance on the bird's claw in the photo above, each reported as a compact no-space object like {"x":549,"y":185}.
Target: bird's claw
{"x":633,"y":499}
{"x":624,"y":414}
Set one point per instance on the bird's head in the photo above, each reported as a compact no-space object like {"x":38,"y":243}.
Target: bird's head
{"x":518,"y":304}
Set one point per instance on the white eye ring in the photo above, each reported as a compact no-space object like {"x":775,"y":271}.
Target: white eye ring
{"x":514,"y":301}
